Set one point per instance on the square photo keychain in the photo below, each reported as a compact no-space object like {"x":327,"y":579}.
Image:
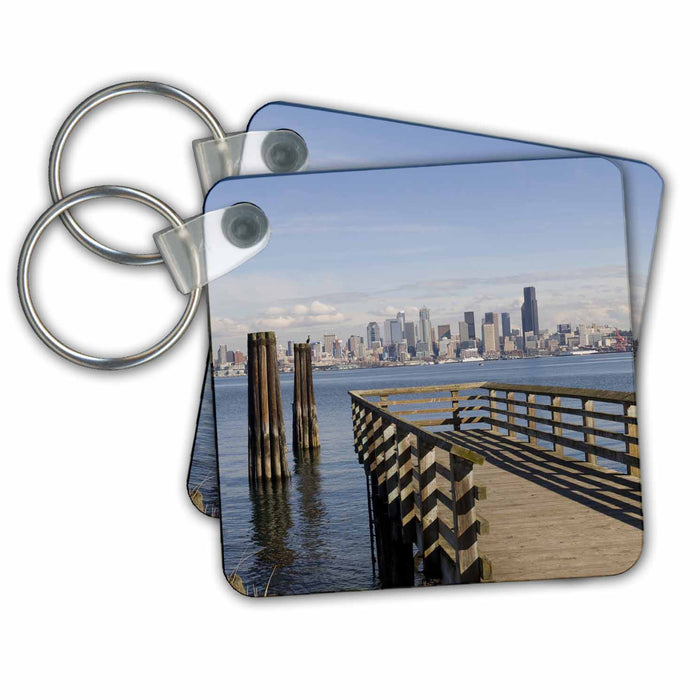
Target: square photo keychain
{"x":335,"y":140}
{"x":416,"y":455}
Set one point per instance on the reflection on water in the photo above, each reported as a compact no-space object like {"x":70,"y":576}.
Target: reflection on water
{"x":315,"y":529}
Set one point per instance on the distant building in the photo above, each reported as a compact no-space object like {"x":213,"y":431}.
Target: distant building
{"x":410,"y":331}
{"x":238,"y":358}
{"x":401,"y":318}
{"x":489,"y":335}
{"x":444,"y":331}
{"x":393,"y":332}
{"x":290,"y":348}
{"x":221,"y":355}
{"x":563,"y":328}
{"x":425,"y":330}
{"x":356,"y":346}
{"x":373,"y":333}
{"x":505,"y":324}
{"x":471,"y":326}
{"x":230,"y":356}
{"x":529,"y":313}
{"x":328,"y":343}
{"x":491,"y":318}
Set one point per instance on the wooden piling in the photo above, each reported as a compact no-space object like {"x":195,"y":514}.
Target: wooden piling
{"x":267,"y":442}
{"x":305,"y":428}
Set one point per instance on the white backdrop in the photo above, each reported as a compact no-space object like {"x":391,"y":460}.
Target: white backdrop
{"x":112,"y":582}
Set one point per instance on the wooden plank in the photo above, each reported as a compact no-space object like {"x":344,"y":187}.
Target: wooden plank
{"x":541,"y":529}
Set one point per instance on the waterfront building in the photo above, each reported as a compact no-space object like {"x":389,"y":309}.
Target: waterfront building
{"x":425,"y":330}
{"x":529,"y":312}
{"x":471,"y":326}
{"x":505,"y":324}
{"x":489,"y":335}
{"x":328,"y":343}
{"x":373,"y":333}
{"x":410,"y":331}
{"x":444,"y":331}
{"x":221,"y":355}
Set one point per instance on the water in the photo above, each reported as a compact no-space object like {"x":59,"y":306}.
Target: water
{"x":202,"y":477}
{"x":314,"y":532}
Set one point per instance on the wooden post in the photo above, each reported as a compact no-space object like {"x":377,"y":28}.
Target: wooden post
{"x":531,"y":415}
{"x":589,"y":438}
{"x":306,"y":435}
{"x":556,"y":432}
{"x":511,"y":409}
{"x":466,"y":525}
{"x":267,"y":442}
{"x":456,"y":419}
{"x":631,"y":432}
{"x":492,"y":409}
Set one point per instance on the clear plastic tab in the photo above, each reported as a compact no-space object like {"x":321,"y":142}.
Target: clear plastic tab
{"x":249,"y":153}
{"x":210,"y":245}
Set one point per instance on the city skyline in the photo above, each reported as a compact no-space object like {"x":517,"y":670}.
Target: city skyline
{"x":495,"y":328}
{"x":350,"y":247}
{"x":321,"y":318}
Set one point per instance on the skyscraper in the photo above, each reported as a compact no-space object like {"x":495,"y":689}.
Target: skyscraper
{"x":530,"y":317}
{"x":491,"y":318}
{"x":221,"y":355}
{"x":393,"y":332}
{"x":471,"y":326}
{"x":425,"y":330}
{"x":373,"y":334}
{"x":328,"y":343}
{"x":489,"y":333}
{"x":410,"y":333}
{"x":505,"y":324}
{"x":401,"y":316}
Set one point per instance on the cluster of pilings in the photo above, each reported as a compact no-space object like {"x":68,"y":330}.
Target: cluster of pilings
{"x":267,"y":441}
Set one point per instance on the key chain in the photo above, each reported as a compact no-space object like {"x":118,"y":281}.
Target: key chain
{"x":217,"y":157}
{"x":308,"y":246}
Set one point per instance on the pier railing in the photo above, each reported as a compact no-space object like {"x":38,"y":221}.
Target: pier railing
{"x":587,"y":424}
{"x":423,"y":486}
{"x":423,"y":479}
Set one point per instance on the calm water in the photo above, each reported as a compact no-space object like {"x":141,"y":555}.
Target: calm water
{"x":203,"y":475}
{"x":315,"y":530}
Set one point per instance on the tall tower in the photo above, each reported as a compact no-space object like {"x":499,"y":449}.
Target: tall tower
{"x":424,"y":328}
{"x":471,"y":326}
{"x":372,"y":333}
{"x":530,"y":317}
{"x":505,"y":324}
{"x":491,"y":318}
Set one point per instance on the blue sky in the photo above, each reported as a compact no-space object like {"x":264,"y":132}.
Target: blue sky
{"x":344,"y":140}
{"x":350,"y":247}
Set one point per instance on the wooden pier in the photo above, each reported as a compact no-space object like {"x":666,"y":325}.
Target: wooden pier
{"x":499,"y":482}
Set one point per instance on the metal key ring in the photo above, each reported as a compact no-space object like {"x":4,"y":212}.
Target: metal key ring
{"x":108,"y":93}
{"x":35,"y":321}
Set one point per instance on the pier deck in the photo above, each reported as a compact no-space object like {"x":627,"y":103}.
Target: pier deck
{"x":549,"y":516}
{"x":496,"y":482}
